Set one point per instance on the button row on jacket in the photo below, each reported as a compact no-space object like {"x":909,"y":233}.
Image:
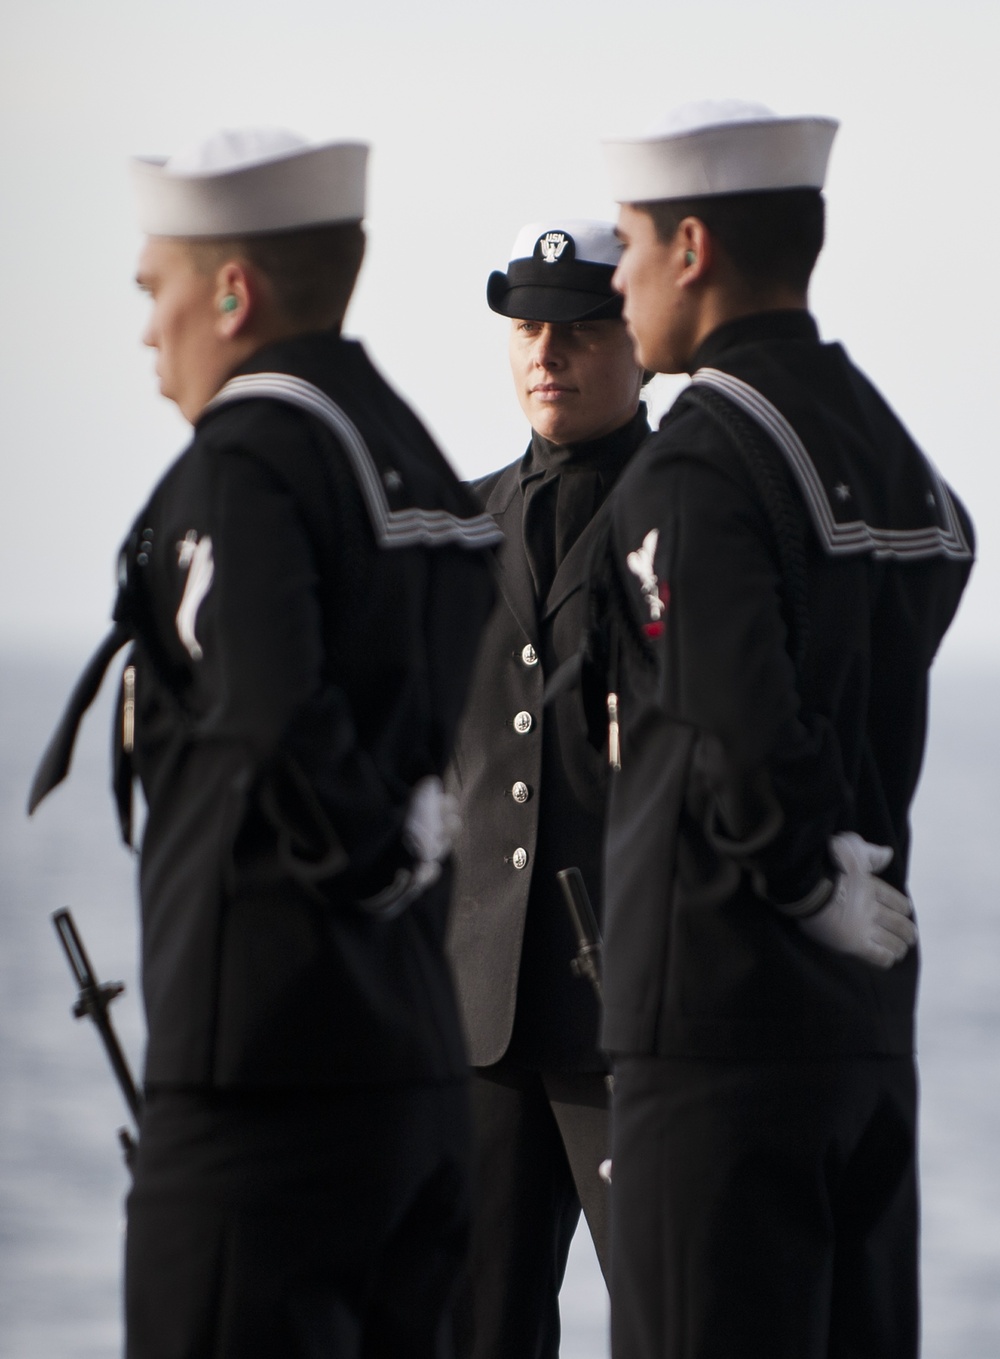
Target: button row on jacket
{"x":522,"y":722}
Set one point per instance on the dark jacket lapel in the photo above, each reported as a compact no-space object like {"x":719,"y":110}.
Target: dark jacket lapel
{"x":506,"y":504}
{"x":574,"y":568}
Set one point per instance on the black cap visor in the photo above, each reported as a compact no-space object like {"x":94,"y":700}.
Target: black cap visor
{"x":534,"y":291}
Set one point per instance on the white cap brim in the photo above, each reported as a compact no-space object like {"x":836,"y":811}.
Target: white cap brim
{"x":307,"y":186}
{"x":735,"y":157}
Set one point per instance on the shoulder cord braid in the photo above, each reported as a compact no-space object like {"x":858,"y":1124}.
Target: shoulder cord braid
{"x":770,"y":478}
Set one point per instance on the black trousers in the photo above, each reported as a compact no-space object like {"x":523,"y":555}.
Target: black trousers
{"x":540,"y":1138}
{"x":764,"y":1210}
{"x":298,"y":1226}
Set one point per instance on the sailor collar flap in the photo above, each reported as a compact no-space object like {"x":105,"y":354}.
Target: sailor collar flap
{"x":409,"y":526}
{"x":932,"y":526}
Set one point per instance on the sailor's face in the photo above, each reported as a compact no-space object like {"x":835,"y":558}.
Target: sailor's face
{"x":575,"y":380}
{"x":657,"y":310}
{"x":183,"y":327}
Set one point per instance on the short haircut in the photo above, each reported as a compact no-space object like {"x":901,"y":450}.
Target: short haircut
{"x":312,"y":269}
{"x":772,"y":237}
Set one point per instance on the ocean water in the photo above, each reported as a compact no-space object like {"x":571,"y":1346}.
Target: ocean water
{"x":62,"y":1181}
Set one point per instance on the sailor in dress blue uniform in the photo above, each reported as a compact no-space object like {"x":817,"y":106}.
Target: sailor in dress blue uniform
{"x":290,"y":596}
{"x":782,"y":566}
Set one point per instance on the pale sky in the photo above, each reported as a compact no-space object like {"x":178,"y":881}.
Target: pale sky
{"x":482,"y":117}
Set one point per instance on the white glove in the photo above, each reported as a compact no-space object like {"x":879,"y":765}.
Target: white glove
{"x":865,"y":916}
{"x":430,"y":826}
{"x":432,"y":821}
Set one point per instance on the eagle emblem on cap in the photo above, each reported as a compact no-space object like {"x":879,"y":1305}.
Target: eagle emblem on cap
{"x":552,"y":244}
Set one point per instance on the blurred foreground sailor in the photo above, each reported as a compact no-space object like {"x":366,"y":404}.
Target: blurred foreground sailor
{"x":303,"y":595}
{"x":531,"y":790}
{"x":782,"y":567}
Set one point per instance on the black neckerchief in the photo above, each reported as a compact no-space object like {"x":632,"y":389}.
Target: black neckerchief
{"x":564,"y":485}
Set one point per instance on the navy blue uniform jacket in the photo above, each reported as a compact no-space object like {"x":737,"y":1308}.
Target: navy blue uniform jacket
{"x":306,"y":591}
{"x":740,"y":759}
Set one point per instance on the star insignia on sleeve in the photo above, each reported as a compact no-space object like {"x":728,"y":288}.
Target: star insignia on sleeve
{"x":842,"y":491}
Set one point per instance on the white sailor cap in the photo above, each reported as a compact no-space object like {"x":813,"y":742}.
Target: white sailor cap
{"x":559,"y":271}
{"x":714,"y":147}
{"x":253,"y":180}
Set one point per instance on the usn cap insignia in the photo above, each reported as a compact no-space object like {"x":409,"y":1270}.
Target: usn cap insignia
{"x":552,"y":246}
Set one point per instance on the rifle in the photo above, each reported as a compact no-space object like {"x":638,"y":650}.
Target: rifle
{"x":94,"y":1001}
{"x":587,"y":962}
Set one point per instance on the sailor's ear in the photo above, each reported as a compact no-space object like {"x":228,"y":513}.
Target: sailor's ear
{"x":236,"y":297}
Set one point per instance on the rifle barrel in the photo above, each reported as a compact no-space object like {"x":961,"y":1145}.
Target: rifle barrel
{"x":578,"y":904}
{"x":587,"y":962}
{"x":94,"y":999}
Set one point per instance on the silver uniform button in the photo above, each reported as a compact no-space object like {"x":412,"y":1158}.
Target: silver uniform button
{"x":519,"y":792}
{"x":522,"y":722}
{"x":519,"y":858}
{"x":529,"y":655}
